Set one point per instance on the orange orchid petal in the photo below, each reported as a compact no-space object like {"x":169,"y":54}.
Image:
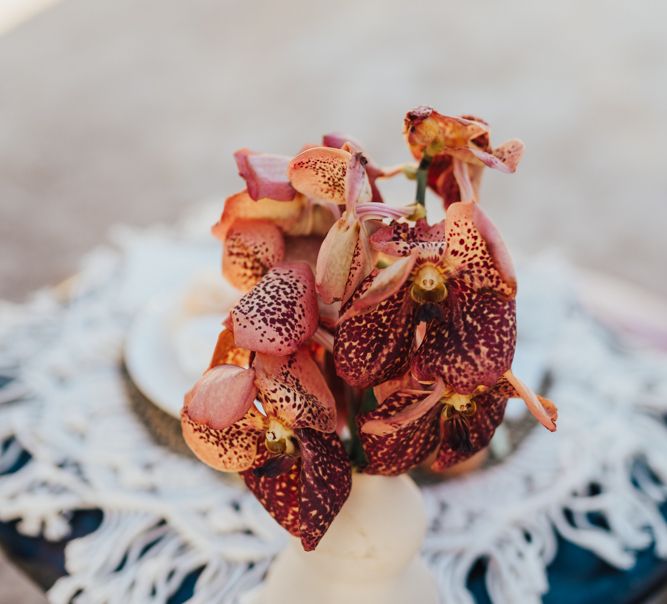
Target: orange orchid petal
{"x":251,"y":248}
{"x":542,"y":409}
{"x":280,"y":313}
{"x":335,"y":258}
{"x":219,"y":421}
{"x":320,"y":173}
{"x":241,"y":206}
{"x":226,"y":351}
{"x":293,"y":390}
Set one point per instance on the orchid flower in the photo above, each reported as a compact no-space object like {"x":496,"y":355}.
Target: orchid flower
{"x":412,"y":425}
{"x":286,"y":450}
{"x":456,"y":150}
{"x":458,"y":279}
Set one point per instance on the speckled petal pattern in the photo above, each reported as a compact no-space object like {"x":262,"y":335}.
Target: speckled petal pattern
{"x":326,"y":480}
{"x":320,"y":172}
{"x":474,"y":344}
{"x":398,"y":451}
{"x":251,"y":248}
{"x":293,"y":390}
{"x":373,"y":347}
{"x":279,"y":313}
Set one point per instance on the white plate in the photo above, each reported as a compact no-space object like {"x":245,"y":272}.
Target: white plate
{"x":171,"y":341}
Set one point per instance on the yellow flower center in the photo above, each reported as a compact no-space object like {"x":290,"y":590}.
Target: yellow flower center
{"x":458,"y":403}
{"x":278,"y":439}
{"x":428,"y":285}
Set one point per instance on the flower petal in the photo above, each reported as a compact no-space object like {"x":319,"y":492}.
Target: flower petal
{"x":407,"y":446}
{"x":475,"y":252}
{"x":219,"y":422}
{"x":293,"y":390}
{"x":285,"y":214}
{"x":474,"y":343}
{"x":373,"y":347}
{"x":326,"y":480}
{"x":251,"y":248}
{"x":380,"y":286}
{"x":320,"y":173}
{"x":221,"y":396}
{"x":306,"y":499}
{"x":480,"y":429}
{"x":423,"y":402}
{"x":401,"y":239}
{"x":265,"y":175}
{"x":279,"y":313}
{"x":280,"y":494}
{"x":542,"y":409}
{"x":505,"y":158}
{"x":226,"y":351}
{"x":335,"y":258}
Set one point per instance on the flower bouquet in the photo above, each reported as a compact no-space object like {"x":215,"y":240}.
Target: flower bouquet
{"x":368,"y":341}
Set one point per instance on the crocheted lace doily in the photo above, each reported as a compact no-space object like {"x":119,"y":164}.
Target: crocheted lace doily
{"x":166,"y":516}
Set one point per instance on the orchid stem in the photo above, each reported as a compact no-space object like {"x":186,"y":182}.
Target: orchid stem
{"x":422,"y":174}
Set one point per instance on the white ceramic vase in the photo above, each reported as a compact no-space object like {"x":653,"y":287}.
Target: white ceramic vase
{"x":369,"y":555}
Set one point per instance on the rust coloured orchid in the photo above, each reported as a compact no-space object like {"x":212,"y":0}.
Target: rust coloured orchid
{"x":349,"y":299}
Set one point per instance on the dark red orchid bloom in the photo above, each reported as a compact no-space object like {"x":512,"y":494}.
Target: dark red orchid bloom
{"x":458,"y":279}
{"x":458,"y":149}
{"x":412,"y":424}
{"x":286,"y":450}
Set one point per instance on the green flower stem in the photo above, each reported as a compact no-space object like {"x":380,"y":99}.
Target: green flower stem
{"x":422,"y":174}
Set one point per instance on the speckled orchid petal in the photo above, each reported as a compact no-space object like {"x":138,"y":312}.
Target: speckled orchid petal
{"x":401,"y":239}
{"x":279,"y":313}
{"x":379,"y":286}
{"x":306,"y":498}
{"x":265,"y":175}
{"x":251,"y":248}
{"x":505,"y":158}
{"x":373,"y":171}
{"x":279,"y":494}
{"x":480,"y":428}
{"x":320,"y":173}
{"x":285,"y":214}
{"x":373,"y":347}
{"x":293,"y":390}
{"x":542,"y":409}
{"x":326,"y":480}
{"x":474,"y":342}
{"x":226,"y":351}
{"x":219,"y":421}
{"x":402,"y":447}
{"x":423,"y":402}
{"x":475,"y":251}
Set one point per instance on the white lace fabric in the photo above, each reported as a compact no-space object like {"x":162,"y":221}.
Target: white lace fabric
{"x":165,"y":516}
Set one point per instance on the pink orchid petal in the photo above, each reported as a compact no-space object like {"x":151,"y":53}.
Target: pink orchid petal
{"x":543,"y":410}
{"x":401,"y":239}
{"x":251,"y":248}
{"x":279,"y":313}
{"x":397,"y":451}
{"x":505,"y":158}
{"x":221,"y":396}
{"x":408,"y":415}
{"x":356,"y":182}
{"x":293,"y":390}
{"x":476,"y":251}
{"x":384,"y":284}
{"x":265,"y":175}
{"x":373,"y":347}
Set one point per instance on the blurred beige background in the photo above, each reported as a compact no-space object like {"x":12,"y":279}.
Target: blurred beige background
{"x":129,"y":110}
